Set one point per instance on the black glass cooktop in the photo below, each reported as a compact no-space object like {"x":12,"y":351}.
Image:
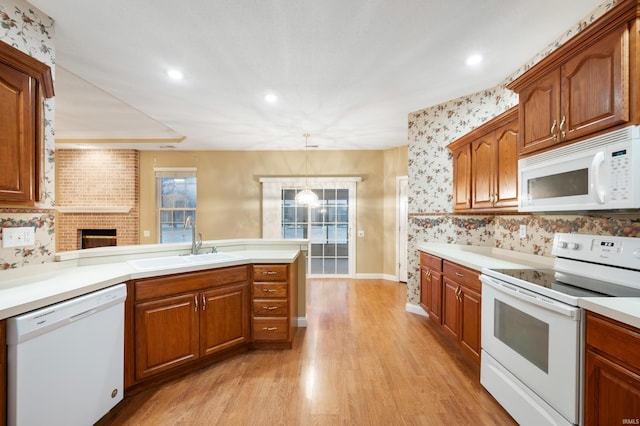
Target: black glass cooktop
{"x":570,"y":284}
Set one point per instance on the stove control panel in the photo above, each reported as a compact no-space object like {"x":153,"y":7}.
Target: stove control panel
{"x":613,"y":251}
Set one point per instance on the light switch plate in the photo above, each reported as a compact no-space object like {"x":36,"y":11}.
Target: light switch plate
{"x":18,"y":237}
{"x":523,"y":231}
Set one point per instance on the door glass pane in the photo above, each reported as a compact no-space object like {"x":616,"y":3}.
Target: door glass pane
{"x":523,"y":333}
{"x":325,"y":225}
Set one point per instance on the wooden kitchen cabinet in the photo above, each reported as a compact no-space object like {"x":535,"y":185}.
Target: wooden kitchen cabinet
{"x":181,"y":318}
{"x":273,"y":305}
{"x":612,"y":372}
{"x":461,"y":307}
{"x":485,"y":165}
{"x":579,"y":90}
{"x":24,"y":84}
{"x":431,"y":286}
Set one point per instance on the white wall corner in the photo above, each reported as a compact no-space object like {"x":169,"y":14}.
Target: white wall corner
{"x":301,"y":322}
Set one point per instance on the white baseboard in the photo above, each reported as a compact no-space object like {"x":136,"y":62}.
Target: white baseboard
{"x":386,"y":277}
{"x":416,"y":309}
{"x":301,"y":321}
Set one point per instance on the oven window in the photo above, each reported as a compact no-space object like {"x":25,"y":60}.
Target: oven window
{"x":575,"y":182}
{"x":523,"y":333}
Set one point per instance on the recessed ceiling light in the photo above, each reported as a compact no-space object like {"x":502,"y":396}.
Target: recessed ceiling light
{"x":474,"y":60}
{"x":175,"y":74}
{"x":271,"y":98}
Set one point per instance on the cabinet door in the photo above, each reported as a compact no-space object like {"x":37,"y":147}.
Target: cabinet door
{"x":450,"y":314}
{"x":506,"y":171}
{"x":539,"y":113}
{"x":425,"y":289}
{"x":224,"y":318}
{"x":482,"y":169}
{"x":462,"y":178}
{"x":470,"y":303}
{"x":435,"y":307}
{"x":18,"y":145}
{"x":612,"y":393}
{"x":595,"y":87}
{"x":166,"y":333}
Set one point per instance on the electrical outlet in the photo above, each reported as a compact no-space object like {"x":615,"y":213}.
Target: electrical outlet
{"x":523,"y":231}
{"x":18,"y":237}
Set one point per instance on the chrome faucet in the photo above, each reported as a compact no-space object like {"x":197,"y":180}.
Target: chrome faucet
{"x":195,"y":245}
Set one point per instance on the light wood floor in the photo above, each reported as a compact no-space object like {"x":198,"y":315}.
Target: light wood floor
{"x":362,"y":360}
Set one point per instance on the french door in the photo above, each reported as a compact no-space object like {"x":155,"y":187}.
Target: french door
{"x":328,"y":225}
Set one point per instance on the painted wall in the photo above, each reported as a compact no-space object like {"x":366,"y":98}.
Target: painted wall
{"x":431,"y":180}
{"x":229,"y":193}
{"x":31,"y":31}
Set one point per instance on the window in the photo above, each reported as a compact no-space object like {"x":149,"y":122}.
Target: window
{"x":176,"y":200}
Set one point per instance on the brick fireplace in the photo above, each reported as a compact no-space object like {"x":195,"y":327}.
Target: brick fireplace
{"x":96,"y":190}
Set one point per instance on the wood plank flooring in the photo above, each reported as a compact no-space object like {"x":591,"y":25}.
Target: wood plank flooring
{"x":362,"y":360}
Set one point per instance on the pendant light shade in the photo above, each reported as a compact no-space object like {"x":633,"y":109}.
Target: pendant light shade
{"x":306,"y":196}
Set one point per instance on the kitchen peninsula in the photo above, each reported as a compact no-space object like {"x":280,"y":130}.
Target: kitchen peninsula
{"x":235,"y":295}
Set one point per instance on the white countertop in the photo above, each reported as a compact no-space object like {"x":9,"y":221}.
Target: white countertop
{"x":478,"y":257}
{"x":32,"y":287}
{"x":623,"y":309}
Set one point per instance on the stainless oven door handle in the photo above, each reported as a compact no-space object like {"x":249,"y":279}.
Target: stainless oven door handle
{"x":529,"y":297}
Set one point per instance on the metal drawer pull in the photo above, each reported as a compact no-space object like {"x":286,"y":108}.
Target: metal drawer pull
{"x":269,"y":308}
{"x":459,"y":274}
{"x":269,"y":290}
{"x":270,"y":272}
{"x":269,"y":328}
{"x":196,"y":300}
{"x":204,"y":303}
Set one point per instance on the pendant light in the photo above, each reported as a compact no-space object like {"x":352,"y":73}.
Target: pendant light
{"x":306,"y":196}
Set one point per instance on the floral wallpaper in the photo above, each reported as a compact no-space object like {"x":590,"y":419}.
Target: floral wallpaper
{"x":430,"y":190}
{"x":31,"y":31}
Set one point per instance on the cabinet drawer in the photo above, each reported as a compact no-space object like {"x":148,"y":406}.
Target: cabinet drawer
{"x":613,"y":338}
{"x":462,"y":275}
{"x":430,"y":261}
{"x":167,"y":285}
{"x":270,"y":307}
{"x":270,"y":328}
{"x":269,"y":290}
{"x":269,"y":272}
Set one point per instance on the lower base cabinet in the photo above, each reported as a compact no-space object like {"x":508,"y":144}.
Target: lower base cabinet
{"x":612,"y":372}
{"x":181,"y":318}
{"x":453,"y":299}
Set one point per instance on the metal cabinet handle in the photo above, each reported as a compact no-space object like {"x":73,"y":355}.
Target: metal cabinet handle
{"x":269,"y":308}
{"x":195,"y":298}
{"x":269,"y":328}
{"x":204,"y":303}
{"x":428,"y":274}
{"x":563,"y":134}
{"x":553,"y":130}
{"x":269,"y":290}
{"x":459,"y":274}
{"x":269,"y":272}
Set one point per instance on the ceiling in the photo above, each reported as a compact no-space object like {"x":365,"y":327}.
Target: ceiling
{"x":346,"y":71}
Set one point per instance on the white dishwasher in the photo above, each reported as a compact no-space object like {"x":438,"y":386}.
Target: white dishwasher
{"x":66,"y":361}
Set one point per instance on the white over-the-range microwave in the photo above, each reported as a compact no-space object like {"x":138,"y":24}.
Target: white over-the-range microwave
{"x":601,"y":173}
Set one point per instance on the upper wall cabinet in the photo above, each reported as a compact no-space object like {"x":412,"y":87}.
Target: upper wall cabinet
{"x":24,"y":83}
{"x":585,"y":87}
{"x":485,"y":166}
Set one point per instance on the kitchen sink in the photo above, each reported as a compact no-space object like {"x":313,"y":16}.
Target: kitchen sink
{"x":169,"y":262}
{"x":211,"y":257}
